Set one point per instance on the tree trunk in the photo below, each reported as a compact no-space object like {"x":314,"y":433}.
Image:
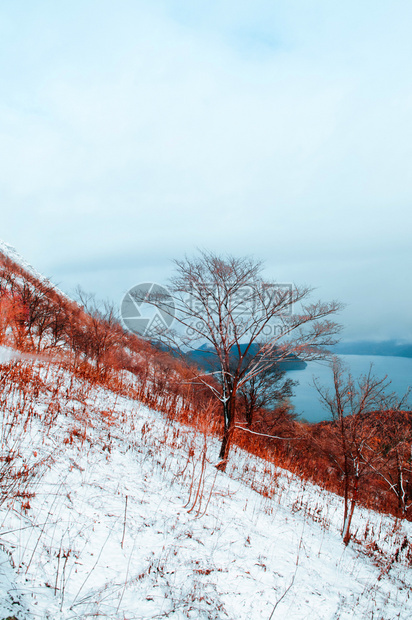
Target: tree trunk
{"x":346,"y":495}
{"x":400,"y":488}
{"x":229,"y":418}
{"x":346,"y":532}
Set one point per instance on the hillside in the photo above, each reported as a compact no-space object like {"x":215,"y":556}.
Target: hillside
{"x":111,"y":505}
{"x":129,"y":519}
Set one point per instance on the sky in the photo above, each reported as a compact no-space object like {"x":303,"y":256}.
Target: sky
{"x":133,"y":133}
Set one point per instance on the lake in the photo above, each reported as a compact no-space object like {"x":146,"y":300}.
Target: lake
{"x":306,"y":399}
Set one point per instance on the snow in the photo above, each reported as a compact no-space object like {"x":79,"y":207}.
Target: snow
{"x":126,"y":523}
{"x":7,"y":354}
{"x":11,"y":252}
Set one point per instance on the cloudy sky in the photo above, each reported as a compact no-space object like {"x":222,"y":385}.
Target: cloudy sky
{"x":134,"y":132}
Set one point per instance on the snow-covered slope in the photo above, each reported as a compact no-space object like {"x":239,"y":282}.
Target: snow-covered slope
{"x":12,"y":254}
{"x":132,"y":520}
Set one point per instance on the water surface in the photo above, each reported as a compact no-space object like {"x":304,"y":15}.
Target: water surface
{"x":306,"y":400}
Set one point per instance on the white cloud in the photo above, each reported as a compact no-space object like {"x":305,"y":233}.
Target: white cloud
{"x":140,"y":132}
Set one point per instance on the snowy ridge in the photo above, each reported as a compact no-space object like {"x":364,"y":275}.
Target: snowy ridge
{"x":133,"y":521}
{"x":11,"y":252}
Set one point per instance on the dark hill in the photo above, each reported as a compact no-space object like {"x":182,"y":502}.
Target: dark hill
{"x":205,"y":357}
{"x":367,"y":347}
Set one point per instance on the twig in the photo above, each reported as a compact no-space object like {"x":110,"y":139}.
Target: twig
{"x":198,"y":515}
{"x":124,"y":521}
{"x":293,"y":577}
{"x":126,"y":577}
{"x":242,"y":428}
{"x":94,"y":566}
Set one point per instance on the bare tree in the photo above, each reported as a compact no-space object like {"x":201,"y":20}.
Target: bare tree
{"x":391,"y":455}
{"x":350,"y":449}
{"x":247,"y":322}
{"x":101,"y":332}
{"x":264,"y":391}
{"x":31,"y":308}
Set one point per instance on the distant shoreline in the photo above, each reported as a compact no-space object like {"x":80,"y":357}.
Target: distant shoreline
{"x":386,"y":348}
{"x":398,"y":370}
